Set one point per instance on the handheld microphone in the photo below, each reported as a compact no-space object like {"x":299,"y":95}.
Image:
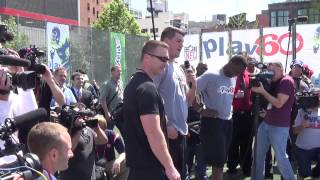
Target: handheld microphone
{"x":13,"y":61}
{"x":187,"y":67}
{"x":10,"y":125}
{"x":186,"y":64}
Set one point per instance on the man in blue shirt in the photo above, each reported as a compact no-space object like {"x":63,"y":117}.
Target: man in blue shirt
{"x":60,"y":76}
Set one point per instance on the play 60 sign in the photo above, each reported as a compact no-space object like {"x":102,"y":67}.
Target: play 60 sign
{"x":274,"y":42}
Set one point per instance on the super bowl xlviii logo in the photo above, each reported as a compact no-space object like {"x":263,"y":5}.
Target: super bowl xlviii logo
{"x":118,"y":51}
{"x":190,"y":53}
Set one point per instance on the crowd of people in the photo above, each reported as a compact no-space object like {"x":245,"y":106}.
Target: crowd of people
{"x":175,"y":119}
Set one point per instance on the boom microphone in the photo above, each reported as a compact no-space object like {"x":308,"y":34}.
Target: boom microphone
{"x":10,"y":125}
{"x":13,"y":61}
{"x":298,"y":19}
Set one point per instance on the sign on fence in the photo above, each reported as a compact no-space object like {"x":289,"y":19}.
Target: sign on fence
{"x":58,"y":45}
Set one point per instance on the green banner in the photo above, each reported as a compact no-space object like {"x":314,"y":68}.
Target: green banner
{"x":118,"y":53}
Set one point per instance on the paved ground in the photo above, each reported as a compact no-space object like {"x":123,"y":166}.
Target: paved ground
{"x":239,"y":176}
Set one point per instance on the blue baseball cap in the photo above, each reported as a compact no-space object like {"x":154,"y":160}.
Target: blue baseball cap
{"x":296,"y":62}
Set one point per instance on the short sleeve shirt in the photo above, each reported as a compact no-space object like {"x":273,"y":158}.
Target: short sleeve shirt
{"x":141,"y":98}
{"x":108,"y":90}
{"x":308,"y":137}
{"x":217,"y":91}
{"x":281,"y":116}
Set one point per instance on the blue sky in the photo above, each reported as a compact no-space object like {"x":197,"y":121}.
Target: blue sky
{"x":203,"y":9}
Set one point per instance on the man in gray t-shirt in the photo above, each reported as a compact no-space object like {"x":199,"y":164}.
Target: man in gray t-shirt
{"x":111,"y":92}
{"x":217,"y":89}
{"x":177,"y":96}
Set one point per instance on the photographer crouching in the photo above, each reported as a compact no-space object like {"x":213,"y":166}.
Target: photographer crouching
{"x":307,"y":128}
{"x":274,"y":130}
{"x":85,"y":134}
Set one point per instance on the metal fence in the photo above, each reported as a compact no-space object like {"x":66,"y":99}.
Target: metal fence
{"x":90,"y":50}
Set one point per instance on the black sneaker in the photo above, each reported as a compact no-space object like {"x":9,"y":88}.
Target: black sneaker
{"x":246,"y":174}
{"x":232,"y":171}
{"x":268,"y":175}
{"x":315,"y":172}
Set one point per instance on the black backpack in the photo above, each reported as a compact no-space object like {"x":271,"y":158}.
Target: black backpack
{"x":117,"y":113}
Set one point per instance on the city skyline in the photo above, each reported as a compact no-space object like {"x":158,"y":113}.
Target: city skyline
{"x":202,"y":11}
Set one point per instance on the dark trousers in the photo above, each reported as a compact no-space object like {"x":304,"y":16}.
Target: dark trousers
{"x":195,"y":152}
{"x":240,"y":151}
{"x":177,"y":149}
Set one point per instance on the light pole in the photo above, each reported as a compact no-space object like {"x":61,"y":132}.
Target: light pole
{"x":292,"y":30}
{"x":152,"y":17}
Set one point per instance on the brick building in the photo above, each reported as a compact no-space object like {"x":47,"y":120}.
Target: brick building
{"x":90,"y":10}
{"x":278,"y":14}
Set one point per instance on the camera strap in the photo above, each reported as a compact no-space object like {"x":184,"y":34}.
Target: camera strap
{"x":115,"y":94}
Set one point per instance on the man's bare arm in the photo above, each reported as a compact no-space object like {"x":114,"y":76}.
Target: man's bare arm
{"x":157,"y":142}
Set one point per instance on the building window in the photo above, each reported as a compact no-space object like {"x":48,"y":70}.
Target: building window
{"x":93,"y":11}
{"x":314,"y":16}
{"x":302,"y":12}
{"x":282,"y":18}
{"x":144,"y":30}
{"x":97,"y":14}
{"x":88,"y":21}
{"x":151,"y":30}
{"x":88,"y":6}
{"x":97,"y":1}
{"x":273,"y":18}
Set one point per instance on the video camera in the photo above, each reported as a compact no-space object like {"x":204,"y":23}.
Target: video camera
{"x":23,"y":163}
{"x":69,"y":114}
{"x":22,"y":166}
{"x":262,"y":77}
{"x":26,"y":79}
{"x":33,"y":54}
{"x":306,"y":100}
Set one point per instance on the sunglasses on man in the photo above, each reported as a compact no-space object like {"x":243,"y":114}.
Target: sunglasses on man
{"x":161,"y":58}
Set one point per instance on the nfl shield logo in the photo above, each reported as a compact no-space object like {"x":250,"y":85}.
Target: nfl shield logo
{"x":190,"y":53}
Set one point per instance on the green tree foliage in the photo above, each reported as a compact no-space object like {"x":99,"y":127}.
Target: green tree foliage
{"x":20,"y":40}
{"x":116,"y":17}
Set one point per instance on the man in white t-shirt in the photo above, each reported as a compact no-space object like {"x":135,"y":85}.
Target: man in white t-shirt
{"x":307,"y":127}
{"x":11,"y":105}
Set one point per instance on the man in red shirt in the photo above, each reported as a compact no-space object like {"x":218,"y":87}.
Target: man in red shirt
{"x":240,"y":149}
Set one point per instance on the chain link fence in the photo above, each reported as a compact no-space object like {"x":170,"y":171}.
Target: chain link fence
{"x":89,"y":47}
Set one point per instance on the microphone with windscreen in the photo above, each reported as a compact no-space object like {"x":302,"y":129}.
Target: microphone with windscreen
{"x":14,"y":61}
{"x":298,"y":19}
{"x":10,"y":125}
